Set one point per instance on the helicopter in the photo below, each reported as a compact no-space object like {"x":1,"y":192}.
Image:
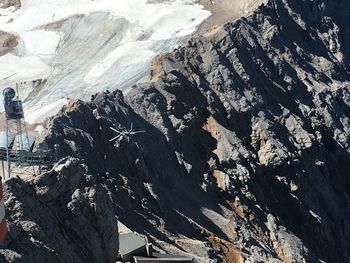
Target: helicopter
{"x":123,"y":135}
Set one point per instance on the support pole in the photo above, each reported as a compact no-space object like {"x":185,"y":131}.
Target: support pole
{"x":7,"y":151}
{"x":3,"y":169}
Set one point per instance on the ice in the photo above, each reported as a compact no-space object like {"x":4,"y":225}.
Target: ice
{"x":38,"y":113}
{"x":21,"y":69}
{"x":128,"y":54}
{"x":40,"y":42}
{"x":82,"y":47}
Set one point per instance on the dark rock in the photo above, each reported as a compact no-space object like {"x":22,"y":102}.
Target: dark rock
{"x":246,"y":149}
{"x":59,"y":216}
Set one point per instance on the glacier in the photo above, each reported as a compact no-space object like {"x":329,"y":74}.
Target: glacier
{"x":73,"y":49}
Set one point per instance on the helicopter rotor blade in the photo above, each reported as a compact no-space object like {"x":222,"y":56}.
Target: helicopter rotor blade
{"x":115,"y":130}
{"x":116,"y":138}
{"x":136,"y":132}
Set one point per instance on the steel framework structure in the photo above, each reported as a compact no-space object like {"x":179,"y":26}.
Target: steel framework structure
{"x":16,"y":153}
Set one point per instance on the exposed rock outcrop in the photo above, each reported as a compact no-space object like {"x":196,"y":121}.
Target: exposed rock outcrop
{"x":247,"y":138}
{"x":63,"y":215}
{"x":9,"y":3}
{"x":8,"y":42}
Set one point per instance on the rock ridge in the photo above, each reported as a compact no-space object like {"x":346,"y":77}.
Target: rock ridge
{"x":247,"y":138}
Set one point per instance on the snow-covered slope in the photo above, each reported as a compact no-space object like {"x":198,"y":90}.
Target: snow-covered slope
{"x":72,"y":49}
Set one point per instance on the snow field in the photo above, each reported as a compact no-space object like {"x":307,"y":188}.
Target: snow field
{"x":54,"y":36}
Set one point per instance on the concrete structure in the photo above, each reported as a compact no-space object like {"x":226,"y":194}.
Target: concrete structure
{"x":132,"y":248}
{"x":131,"y":245}
{"x":169,"y":259}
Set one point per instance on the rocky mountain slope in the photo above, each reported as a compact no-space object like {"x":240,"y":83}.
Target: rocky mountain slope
{"x":244,"y":158}
{"x":63,"y":215}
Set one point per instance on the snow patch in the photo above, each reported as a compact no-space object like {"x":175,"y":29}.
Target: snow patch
{"x":82,"y":56}
{"x":125,"y":55}
{"x":39,"y":113}
{"x":6,"y":11}
{"x":21,"y":69}
{"x":41,"y":42}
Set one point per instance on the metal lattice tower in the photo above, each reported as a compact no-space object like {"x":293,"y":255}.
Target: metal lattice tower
{"x":16,"y":144}
{"x":17,"y":137}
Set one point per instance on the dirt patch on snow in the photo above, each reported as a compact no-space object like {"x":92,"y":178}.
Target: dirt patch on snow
{"x":9,"y":3}
{"x":224,"y":11}
{"x":8,"y":42}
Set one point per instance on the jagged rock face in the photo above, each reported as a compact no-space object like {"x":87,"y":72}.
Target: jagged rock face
{"x":247,"y":137}
{"x":63,"y":215}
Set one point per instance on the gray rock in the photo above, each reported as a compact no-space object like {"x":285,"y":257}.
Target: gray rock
{"x":244,"y":158}
{"x":59,"y":216}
